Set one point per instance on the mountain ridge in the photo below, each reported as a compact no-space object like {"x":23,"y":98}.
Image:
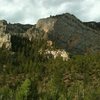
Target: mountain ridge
{"x":65,"y":30}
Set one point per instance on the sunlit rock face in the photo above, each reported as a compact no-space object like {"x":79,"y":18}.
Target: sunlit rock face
{"x":46,"y":25}
{"x":8,"y":30}
{"x":5,"y":41}
{"x":55,"y":54}
{"x":70,"y":33}
{"x":65,"y":30}
{"x":35,"y":33}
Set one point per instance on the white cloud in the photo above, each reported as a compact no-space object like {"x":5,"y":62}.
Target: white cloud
{"x":29,"y":11}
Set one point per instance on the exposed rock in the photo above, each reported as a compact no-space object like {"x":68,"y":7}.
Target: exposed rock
{"x":66,"y":31}
{"x":46,"y":24}
{"x":49,"y":43}
{"x":8,"y":30}
{"x":35,"y":33}
{"x":5,"y":41}
{"x":55,"y":53}
{"x":70,"y":33}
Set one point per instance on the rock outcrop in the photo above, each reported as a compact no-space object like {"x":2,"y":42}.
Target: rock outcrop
{"x":55,"y":54}
{"x":35,"y":33}
{"x":66,"y":31}
{"x":9,"y":30}
{"x":5,"y":41}
{"x":70,"y":33}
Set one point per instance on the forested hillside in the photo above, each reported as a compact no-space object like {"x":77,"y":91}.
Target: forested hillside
{"x":27,"y":75}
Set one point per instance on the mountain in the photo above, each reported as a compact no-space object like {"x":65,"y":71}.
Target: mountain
{"x":70,"y":33}
{"x":65,"y":30}
{"x":8,"y":32}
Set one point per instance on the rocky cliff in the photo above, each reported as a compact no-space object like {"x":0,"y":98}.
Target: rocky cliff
{"x":65,"y":30}
{"x":8,"y":31}
{"x":70,"y":33}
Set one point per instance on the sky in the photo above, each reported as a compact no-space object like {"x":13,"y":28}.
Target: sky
{"x":29,"y":11}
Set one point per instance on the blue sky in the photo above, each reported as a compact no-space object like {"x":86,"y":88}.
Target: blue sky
{"x":29,"y":11}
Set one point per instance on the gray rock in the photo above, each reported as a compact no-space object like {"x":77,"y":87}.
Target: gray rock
{"x":70,"y":33}
{"x":66,"y":31}
{"x":8,"y":30}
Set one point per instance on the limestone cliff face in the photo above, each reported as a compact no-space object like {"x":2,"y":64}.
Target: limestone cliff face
{"x":46,"y":24}
{"x":66,"y":31}
{"x":70,"y":33}
{"x":9,"y":30}
{"x":36,"y":33}
{"x":5,"y":41}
